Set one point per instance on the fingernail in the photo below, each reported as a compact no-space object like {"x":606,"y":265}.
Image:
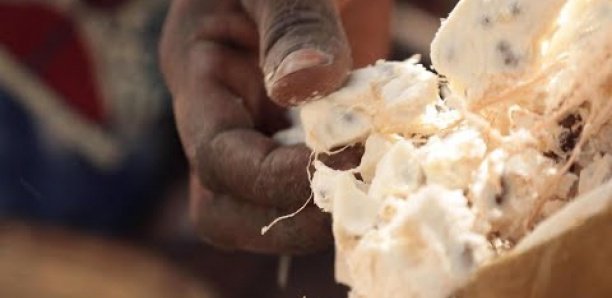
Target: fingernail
{"x":300,"y":60}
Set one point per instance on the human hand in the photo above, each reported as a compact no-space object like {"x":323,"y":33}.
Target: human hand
{"x":223,"y":61}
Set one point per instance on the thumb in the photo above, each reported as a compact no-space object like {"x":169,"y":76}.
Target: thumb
{"x":303,"y":48}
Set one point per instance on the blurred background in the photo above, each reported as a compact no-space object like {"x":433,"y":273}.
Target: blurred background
{"x":93,"y":192}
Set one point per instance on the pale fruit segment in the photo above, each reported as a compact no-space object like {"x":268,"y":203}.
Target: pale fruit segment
{"x":487,"y":43}
{"x":387,"y":96}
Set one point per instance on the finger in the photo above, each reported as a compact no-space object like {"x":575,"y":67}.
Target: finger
{"x":229,"y":28}
{"x":194,"y":21}
{"x":242,"y":76}
{"x":202,"y":106}
{"x":218,"y":136}
{"x":234,"y":70}
{"x":254,"y":168}
{"x":303,"y":48}
{"x":231,"y":224}
{"x":217,"y":130}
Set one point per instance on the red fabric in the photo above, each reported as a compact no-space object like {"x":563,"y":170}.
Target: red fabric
{"x":46,"y":41}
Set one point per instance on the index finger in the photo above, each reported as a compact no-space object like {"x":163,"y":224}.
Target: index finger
{"x":232,"y":224}
{"x":223,"y":147}
{"x":217,"y":130}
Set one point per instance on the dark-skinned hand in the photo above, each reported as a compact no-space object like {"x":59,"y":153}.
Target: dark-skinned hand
{"x":230,"y":66}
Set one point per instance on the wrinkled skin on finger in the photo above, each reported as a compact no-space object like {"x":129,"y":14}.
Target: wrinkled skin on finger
{"x":230,"y":66}
{"x":299,"y":40}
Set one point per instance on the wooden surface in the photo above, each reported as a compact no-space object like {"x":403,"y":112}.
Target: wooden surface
{"x":46,"y":263}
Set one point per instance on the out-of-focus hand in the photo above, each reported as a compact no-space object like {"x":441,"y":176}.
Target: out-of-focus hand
{"x":223,"y":61}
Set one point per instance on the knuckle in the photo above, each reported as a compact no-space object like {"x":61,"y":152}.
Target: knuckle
{"x":207,"y":58}
{"x":217,"y":26}
{"x":204,"y":168}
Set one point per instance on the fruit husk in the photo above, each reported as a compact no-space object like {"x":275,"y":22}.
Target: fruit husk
{"x":576,"y":262}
